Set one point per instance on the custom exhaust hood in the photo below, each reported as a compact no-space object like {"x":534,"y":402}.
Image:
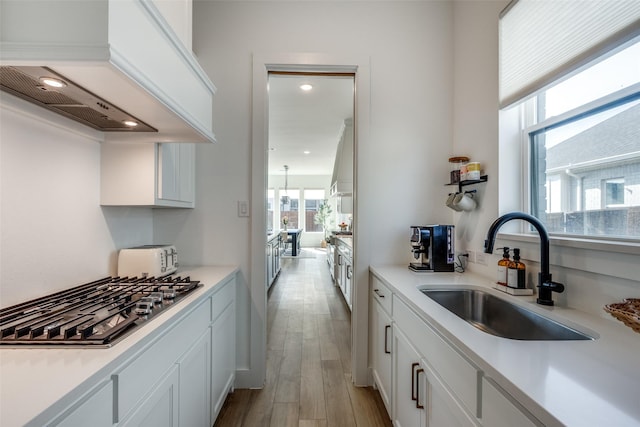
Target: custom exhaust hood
{"x":43,"y":87}
{"x":115,"y":63}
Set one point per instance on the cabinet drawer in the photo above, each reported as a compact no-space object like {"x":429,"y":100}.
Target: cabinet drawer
{"x":456,"y":371}
{"x":137,"y":378}
{"x":381,"y":293}
{"x":224,"y":296}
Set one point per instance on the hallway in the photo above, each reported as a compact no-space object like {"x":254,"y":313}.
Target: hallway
{"x":308,"y":358}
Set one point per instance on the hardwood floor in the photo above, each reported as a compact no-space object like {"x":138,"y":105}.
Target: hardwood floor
{"x":308,"y":380}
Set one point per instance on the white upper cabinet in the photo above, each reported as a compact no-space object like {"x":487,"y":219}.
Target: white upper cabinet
{"x":151,"y":175}
{"x":135,"y":54}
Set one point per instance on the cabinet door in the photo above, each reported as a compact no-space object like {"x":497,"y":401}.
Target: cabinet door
{"x":176,"y":166}
{"x":441,"y":409}
{"x":499,"y":411}
{"x":223,"y":358}
{"x":195,"y":385}
{"x":160,"y":407}
{"x":96,"y":410}
{"x":382,"y":341}
{"x":406,"y":410}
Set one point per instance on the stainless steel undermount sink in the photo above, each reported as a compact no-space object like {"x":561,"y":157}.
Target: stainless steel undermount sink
{"x":499,"y":317}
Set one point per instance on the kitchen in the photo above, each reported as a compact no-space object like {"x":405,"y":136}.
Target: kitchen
{"x":429,"y":88}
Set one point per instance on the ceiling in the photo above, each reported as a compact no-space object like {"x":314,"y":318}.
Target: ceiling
{"x":310,"y":121}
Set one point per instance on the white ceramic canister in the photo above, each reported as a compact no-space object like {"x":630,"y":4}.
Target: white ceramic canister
{"x":473,"y":171}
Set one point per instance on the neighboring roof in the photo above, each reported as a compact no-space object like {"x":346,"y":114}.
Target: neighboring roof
{"x":615,"y":136}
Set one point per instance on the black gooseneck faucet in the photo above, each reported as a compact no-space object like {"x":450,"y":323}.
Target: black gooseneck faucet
{"x":545,"y":285}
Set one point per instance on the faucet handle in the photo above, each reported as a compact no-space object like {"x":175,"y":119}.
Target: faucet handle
{"x":554,"y":286}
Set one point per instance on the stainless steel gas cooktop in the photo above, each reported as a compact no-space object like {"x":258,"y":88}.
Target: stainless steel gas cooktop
{"x":95,"y":314}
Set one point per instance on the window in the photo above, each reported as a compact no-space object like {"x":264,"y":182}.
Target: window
{"x":312,"y":201}
{"x":585,"y":150}
{"x":613,"y":192}
{"x":289,"y":201}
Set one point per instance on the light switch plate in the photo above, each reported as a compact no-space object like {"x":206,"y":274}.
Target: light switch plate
{"x":243,"y":208}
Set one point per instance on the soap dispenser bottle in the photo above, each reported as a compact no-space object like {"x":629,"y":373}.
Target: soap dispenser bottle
{"x":503,"y":266}
{"x":516,"y":272}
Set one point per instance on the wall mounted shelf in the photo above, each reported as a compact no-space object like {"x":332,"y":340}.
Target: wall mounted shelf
{"x":466,"y":182}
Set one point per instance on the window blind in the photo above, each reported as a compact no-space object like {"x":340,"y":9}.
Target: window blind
{"x":544,"y":40}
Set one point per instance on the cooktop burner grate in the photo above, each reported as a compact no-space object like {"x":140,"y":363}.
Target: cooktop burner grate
{"x":94,"y":314}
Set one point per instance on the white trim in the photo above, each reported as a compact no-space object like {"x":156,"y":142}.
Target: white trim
{"x":585,"y":108}
{"x":316,"y":62}
{"x":605,"y":258}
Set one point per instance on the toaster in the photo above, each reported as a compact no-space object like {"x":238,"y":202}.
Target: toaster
{"x":147,"y":261}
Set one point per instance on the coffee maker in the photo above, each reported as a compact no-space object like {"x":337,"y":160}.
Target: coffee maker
{"x":433,"y":248}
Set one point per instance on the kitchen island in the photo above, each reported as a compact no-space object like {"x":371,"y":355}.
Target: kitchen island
{"x":489,"y":380}
{"x":179,"y":367}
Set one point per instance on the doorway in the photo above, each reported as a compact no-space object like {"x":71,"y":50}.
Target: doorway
{"x":359,"y":66}
{"x":310,"y":150}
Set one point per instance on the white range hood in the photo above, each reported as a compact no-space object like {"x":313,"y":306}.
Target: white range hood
{"x":122,"y":51}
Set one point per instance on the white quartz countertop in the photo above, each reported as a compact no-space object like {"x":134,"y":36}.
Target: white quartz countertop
{"x":573,"y":383}
{"x":37,"y":383}
{"x":347,"y":240}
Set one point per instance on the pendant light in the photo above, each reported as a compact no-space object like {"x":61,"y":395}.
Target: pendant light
{"x":284,"y":200}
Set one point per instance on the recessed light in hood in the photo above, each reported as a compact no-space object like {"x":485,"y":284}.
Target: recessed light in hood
{"x":34,"y":84}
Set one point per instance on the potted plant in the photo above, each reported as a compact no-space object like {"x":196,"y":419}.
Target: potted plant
{"x":322,"y":217}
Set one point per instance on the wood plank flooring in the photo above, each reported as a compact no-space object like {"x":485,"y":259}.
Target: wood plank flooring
{"x":308,"y":380}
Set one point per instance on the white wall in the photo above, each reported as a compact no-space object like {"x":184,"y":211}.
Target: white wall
{"x":53,"y":232}
{"x":594,"y":276}
{"x":402,"y":164}
{"x":475,"y":112}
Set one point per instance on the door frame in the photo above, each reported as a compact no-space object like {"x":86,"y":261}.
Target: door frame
{"x":359,"y":65}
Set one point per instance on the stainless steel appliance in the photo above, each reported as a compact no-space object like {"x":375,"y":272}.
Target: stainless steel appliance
{"x":433,"y":248}
{"x":100,"y":313}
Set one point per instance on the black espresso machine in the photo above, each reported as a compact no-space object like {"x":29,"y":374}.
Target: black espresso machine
{"x":432,"y":247}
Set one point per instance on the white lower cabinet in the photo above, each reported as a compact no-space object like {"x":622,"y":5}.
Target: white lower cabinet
{"x":160,"y":407}
{"x":195,"y":384}
{"x":345,"y":271}
{"x":406,"y":363}
{"x":433,"y":384}
{"x":420,"y":397}
{"x":381,"y":341}
{"x":92,"y":408}
{"x":180,"y":378}
{"x":223,"y":356}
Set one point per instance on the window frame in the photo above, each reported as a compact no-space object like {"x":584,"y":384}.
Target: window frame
{"x":529,"y":111}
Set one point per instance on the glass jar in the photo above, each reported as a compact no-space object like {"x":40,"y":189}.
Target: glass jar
{"x":455,"y":165}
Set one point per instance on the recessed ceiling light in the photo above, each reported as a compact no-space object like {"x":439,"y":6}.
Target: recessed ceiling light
{"x":307,"y":152}
{"x":130,"y":123}
{"x":53,"y":82}
{"x":306,"y":87}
